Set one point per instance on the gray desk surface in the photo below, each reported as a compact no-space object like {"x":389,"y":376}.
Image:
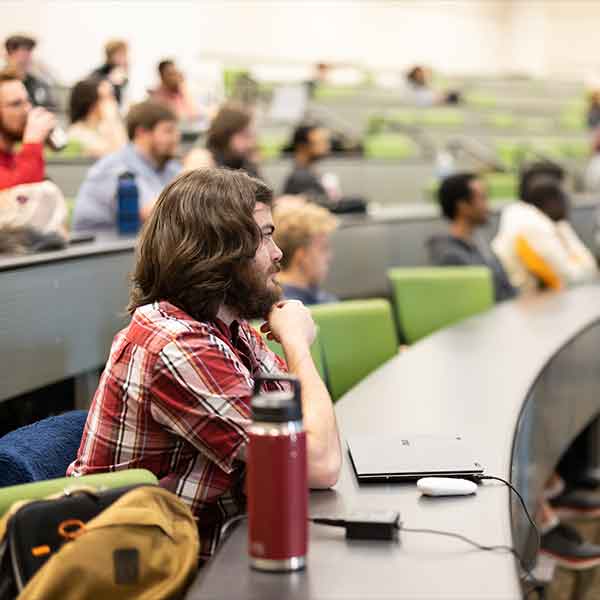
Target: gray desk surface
{"x":104,"y":244}
{"x":471,"y":379}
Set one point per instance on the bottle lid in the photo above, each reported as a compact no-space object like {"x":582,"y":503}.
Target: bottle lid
{"x":278,"y":406}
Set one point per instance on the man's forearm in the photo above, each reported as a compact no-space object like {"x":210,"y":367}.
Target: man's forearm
{"x":324,"y":452}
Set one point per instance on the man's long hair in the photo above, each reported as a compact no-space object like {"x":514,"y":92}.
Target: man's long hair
{"x":200,"y":237}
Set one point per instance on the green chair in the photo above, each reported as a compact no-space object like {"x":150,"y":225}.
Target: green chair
{"x":481,"y":100}
{"x":430,"y":298}
{"x":315,"y":351}
{"x":335,"y":92}
{"x":577,"y":149}
{"x":230,"y":79}
{"x":442,"y":117}
{"x":357,"y":336}
{"x":405,"y":117}
{"x":41,"y":489}
{"x":389,"y":147}
{"x":573,"y":119}
{"x":511,"y":152}
{"x":501,"y":120}
{"x":271,"y":146}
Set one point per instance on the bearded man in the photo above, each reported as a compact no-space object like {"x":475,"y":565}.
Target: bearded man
{"x":175,"y":395}
{"x":19,"y":122}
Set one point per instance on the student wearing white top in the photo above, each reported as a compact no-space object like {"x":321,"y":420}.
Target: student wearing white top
{"x":536,"y":243}
{"x":95,"y":120}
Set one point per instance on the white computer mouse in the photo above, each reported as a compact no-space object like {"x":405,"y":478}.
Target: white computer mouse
{"x":446,"y":486}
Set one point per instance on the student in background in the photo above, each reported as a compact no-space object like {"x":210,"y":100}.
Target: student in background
{"x":150,"y":156}
{"x":310,"y":143}
{"x":230,"y":142}
{"x":420,"y":92}
{"x":115,"y":67}
{"x":19,"y":54}
{"x":463,"y":200}
{"x":175,"y":395}
{"x":173,"y":92}
{"x":95,"y":121}
{"x":303,"y":231}
{"x":20,"y":123}
{"x":593,"y":111}
{"x":591,"y":176}
{"x":536,"y":243}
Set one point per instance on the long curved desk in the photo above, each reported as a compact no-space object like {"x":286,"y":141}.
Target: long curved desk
{"x":520,"y":382}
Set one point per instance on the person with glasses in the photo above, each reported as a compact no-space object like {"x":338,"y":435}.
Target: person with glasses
{"x":21,"y":123}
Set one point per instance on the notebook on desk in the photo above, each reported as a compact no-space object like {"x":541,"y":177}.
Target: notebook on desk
{"x":380,"y":458}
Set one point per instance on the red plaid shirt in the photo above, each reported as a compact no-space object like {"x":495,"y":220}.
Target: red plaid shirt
{"x":174,"y":398}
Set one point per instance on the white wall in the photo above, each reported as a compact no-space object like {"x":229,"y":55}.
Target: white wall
{"x":461,"y":36}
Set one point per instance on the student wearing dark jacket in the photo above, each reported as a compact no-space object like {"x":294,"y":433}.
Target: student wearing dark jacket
{"x":309,"y":145}
{"x":463,"y":201}
{"x":19,"y":51}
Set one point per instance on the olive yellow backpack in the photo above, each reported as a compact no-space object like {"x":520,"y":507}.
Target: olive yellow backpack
{"x":136,"y":542}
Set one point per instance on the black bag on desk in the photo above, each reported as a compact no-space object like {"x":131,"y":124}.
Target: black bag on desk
{"x":39,"y":528}
{"x":348,"y":205}
{"x":137,"y":542}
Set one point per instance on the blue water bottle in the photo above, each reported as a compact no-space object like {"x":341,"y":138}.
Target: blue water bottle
{"x":128,"y":205}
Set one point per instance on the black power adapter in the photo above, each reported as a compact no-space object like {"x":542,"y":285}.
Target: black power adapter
{"x":378,"y":525}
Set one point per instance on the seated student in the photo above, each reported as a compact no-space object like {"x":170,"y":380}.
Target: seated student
{"x":591,"y":176}
{"x":175,"y":395}
{"x":593,"y":111}
{"x":95,"y":121}
{"x":230,"y":142}
{"x":19,"y":51}
{"x":20,"y":123}
{"x":115,"y":68}
{"x":302,"y":231}
{"x":154,"y":138}
{"x":309,"y":144}
{"x":173,"y":92}
{"x":463,"y":200}
{"x":536,"y":243}
{"x":420,"y":92}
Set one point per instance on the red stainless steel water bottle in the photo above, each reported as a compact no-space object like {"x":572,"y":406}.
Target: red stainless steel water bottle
{"x":277,"y":480}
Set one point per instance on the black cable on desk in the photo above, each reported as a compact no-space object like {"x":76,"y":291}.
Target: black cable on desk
{"x":514,"y":489}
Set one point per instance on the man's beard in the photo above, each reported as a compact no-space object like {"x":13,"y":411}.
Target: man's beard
{"x":12,"y":136}
{"x":161,"y":158}
{"x":249,"y":295}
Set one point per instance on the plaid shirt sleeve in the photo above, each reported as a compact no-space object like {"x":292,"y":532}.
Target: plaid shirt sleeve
{"x":201,"y":392}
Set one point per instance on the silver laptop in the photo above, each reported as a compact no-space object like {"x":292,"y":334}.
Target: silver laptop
{"x":380,"y":458}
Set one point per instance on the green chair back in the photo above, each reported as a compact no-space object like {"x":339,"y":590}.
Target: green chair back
{"x":442,"y":117}
{"x":501,"y":120}
{"x":389,"y":146}
{"x":271,"y":146}
{"x":430,"y":298}
{"x":41,"y":489}
{"x":481,"y":100}
{"x":73,"y":149}
{"x":357,"y":336}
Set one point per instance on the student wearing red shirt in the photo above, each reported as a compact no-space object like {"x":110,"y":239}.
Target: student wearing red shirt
{"x":19,"y":122}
